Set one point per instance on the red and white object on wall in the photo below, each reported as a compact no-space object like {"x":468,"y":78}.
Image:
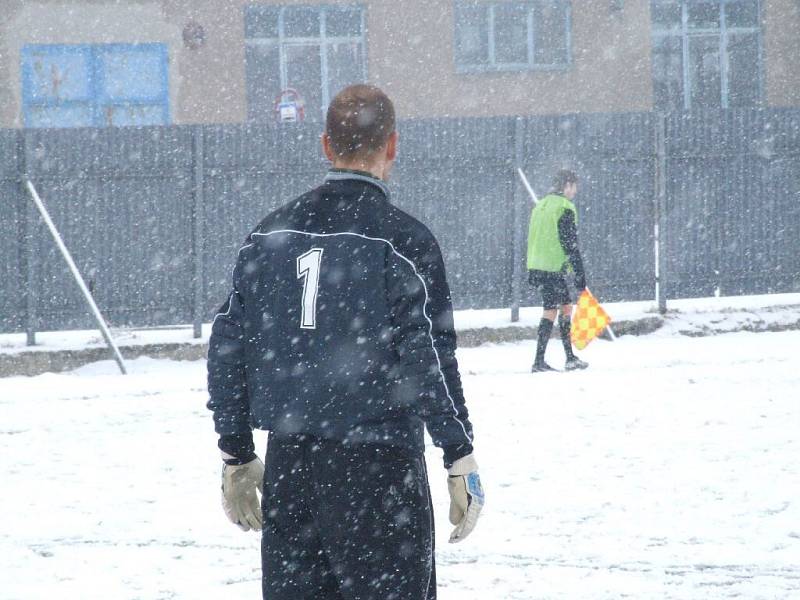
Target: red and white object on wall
{"x":289,"y":106}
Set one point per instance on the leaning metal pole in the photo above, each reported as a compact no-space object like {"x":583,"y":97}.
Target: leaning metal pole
{"x":527,"y":185}
{"x":76,"y":274}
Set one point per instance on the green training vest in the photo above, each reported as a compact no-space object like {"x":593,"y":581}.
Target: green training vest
{"x":545,"y":252}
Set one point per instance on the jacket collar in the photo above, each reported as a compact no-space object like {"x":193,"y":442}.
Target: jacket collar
{"x":348,"y":175}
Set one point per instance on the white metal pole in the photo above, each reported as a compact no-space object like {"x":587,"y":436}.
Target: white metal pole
{"x":528,"y":186}
{"x":657,"y":244}
{"x":76,"y":274}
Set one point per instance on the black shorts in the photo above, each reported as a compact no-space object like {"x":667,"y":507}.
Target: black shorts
{"x":553,"y":287}
{"x":345,"y":522}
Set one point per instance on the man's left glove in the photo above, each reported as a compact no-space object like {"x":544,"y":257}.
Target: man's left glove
{"x":240,"y":487}
{"x":466,"y":496}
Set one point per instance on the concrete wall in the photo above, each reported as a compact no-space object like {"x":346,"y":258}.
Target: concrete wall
{"x":212,"y":81}
{"x":414,"y":63}
{"x":782,"y":52}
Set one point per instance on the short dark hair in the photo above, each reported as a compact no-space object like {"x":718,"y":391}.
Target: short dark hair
{"x":359,"y":122}
{"x":563,"y":178}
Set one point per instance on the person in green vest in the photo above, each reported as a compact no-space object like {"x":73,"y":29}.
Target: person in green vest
{"x":552,"y":254}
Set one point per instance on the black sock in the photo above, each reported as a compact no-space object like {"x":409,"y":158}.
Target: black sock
{"x":545,"y":329}
{"x":565,"y":325}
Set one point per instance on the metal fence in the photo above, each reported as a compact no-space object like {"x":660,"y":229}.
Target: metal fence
{"x":154,"y":216}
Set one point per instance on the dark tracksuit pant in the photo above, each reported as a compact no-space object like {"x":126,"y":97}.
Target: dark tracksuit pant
{"x":345,"y":522}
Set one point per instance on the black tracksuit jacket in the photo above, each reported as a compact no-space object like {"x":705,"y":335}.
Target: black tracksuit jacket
{"x":339,"y":326}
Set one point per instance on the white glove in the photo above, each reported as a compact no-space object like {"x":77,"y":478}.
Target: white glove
{"x":239,"y":498}
{"x":466,"y":496}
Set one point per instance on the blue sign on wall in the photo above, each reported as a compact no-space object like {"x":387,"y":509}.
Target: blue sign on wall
{"x":95,"y":85}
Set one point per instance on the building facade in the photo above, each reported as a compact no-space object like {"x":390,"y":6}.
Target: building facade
{"x":98,"y":62}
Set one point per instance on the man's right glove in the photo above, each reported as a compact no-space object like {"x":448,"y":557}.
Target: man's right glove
{"x":240,"y":484}
{"x":466,"y":496}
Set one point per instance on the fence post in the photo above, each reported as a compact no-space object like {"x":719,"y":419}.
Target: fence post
{"x":28,"y":219}
{"x":518,"y":240}
{"x":660,"y":207}
{"x":198,"y":229}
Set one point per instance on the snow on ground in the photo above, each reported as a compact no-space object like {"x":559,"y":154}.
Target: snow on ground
{"x":695,"y":315}
{"x":684,"y":313}
{"x":669,"y":469}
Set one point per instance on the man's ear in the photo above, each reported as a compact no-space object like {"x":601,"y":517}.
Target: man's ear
{"x":391,"y":146}
{"x":326,"y":147}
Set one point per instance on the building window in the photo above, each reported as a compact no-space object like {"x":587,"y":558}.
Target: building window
{"x":706,"y":54}
{"x":315,"y":50}
{"x":512,"y":36}
{"x":95,"y":86}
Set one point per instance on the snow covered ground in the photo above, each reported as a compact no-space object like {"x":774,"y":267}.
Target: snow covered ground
{"x":669,"y":469}
{"x":691,"y":315}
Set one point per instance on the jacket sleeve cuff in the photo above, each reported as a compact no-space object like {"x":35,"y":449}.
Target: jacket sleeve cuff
{"x":237,"y":449}
{"x":454,"y":452}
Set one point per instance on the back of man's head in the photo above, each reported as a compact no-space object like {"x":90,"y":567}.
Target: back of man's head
{"x":563,"y":178}
{"x":359,"y":122}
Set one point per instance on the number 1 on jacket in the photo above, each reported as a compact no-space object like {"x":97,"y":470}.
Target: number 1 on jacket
{"x":308,"y":270}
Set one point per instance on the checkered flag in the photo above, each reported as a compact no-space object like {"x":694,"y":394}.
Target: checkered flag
{"x":588,"y":321}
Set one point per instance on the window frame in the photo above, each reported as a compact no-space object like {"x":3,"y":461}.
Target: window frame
{"x":685,"y":33}
{"x":492,"y":65}
{"x":282,"y":41}
{"x":98,"y":99}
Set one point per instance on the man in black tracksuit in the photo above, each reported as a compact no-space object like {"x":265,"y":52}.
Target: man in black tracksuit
{"x":338,"y":338}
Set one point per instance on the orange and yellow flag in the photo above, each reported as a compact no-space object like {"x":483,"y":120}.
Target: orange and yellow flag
{"x":588,"y":320}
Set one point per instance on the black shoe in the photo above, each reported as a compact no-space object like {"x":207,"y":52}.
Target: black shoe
{"x":541,"y":367}
{"x":574,"y":364}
